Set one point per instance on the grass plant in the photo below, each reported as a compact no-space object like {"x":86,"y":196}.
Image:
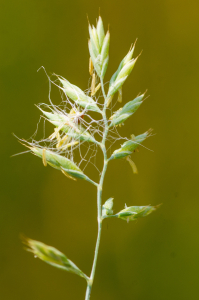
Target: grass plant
{"x":84,"y":123}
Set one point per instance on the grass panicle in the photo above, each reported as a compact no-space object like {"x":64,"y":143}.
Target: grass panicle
{"x":82,"y":125}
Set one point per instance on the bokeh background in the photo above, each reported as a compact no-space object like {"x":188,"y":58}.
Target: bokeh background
{"x":156,"y":258}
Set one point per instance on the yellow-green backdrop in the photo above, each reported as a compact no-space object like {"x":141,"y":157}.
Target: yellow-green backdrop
{"x":156,"y":258}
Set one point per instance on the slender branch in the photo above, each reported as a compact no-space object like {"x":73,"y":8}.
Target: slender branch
{"x":99,"y":197}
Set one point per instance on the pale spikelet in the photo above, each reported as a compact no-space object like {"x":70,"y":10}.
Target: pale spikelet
{"x":100,"y":31}
{"x":132,"y":213}
{"x":69,"y":124}
{"x":107,"y":207}
{"x":122,"y":73}
{"x":126,"y":111}
{"x":52,"y":256}
{"x":99,"y":48}
{"x":78,"y":96}
{"x":129,"y":146}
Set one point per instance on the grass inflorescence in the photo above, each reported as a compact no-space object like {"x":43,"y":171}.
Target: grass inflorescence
{"x":85,"y":122}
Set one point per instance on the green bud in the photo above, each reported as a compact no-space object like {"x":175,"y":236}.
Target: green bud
{"x":129,"y":56}
{"x":50,"y":116}
{"x":126,"y":70}
{"x":105,"y":47}
{"x":104,"y":66}
{"x":78,"y":132}
{"x":57,"y":117}
{"x":123,"y":71}
{"x":127,"y":110}
{"x":99,"y":48}
{"x":95,"y":59}
{"x":100,"y":31}
{"x":134,"y":212}
{"x":55,"y":160}
{"x":128,"y":147}
{"x":126,"y":59}
{"x":59,"y":162}
{"x":115,"y":86}
{"x":77,"y":95}
{"x":121,"y":65}
{"x":94,"y":47}
{"x":65,"y":124}
{"x":130,"y":107}
{"x":95,"y":37}
{"x":52,"y":256}
{"x":92,"y":54}
{"x":70,"y":92}
{"x":107,"y":208}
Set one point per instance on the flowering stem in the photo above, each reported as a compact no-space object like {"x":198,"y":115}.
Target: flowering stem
{"x":99,"y":197}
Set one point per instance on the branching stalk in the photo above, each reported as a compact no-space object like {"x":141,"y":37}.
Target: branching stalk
{"x":99,"y":197}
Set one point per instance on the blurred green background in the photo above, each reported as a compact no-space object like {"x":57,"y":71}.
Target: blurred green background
{"x":156,"y":258}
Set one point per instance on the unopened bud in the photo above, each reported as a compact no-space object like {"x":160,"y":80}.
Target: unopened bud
{"x":105,"y":46}
{"x":52,"y":256}
{"x":100,"y":31}
{"x":128,"y":147}
{"x":126,"y":70}
{"x":127,"y":110}
{"x":134,"y":212}
{"x":107,"y":207}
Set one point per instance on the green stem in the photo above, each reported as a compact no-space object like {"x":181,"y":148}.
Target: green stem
{"x":99,"y":197}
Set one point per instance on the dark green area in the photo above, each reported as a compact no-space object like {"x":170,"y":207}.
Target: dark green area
{"x":154,"y":258}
